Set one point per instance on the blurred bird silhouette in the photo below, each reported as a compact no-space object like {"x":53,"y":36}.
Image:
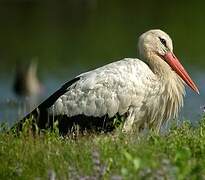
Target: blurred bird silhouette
{"x":26,"y":82}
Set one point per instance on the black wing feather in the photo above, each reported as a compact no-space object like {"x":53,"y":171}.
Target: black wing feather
{"x":40,"y":114}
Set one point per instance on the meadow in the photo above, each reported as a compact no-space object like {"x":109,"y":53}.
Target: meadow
{"x":177,"y":153}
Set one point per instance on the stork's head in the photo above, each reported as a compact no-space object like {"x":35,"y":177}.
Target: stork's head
{"x":155,"y":47}
{"x":155,"y":41}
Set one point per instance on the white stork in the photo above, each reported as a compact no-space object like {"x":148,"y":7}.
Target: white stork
{"x":145,"y":93}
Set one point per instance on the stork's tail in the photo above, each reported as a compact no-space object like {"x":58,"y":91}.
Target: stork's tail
{"x":37,"y":119}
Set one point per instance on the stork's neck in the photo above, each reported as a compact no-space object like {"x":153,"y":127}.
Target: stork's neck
{"x":158,"y":66}
{"x":171,"y":87}
{"x":164,"y":73}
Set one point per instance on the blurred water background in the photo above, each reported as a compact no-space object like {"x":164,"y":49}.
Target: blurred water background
{"x":72,"y":36}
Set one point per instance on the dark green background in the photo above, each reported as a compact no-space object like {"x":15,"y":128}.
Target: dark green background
{"x":88,"y":33}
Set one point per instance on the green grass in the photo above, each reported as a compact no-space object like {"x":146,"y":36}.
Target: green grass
{"x":176,"y":154}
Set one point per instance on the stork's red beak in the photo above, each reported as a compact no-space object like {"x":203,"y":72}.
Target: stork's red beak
{"x":179,"y":69}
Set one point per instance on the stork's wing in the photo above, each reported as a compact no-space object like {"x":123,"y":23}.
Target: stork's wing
{"x":52,"y":99}
{"x":108,"y":90}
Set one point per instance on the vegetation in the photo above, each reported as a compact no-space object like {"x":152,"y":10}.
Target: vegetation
{"x":177,"y":154}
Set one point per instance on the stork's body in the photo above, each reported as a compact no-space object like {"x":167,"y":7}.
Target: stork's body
{"x":127,"y":87}
{"x":145,"y":94}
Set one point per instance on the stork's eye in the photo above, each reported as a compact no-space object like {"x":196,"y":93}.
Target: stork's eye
{"x":163,"y":41}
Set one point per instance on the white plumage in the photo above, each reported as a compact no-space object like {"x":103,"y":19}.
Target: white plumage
{"x":146,"y":94}
{"x":124,"y":86}
{"x":108,"y":90}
